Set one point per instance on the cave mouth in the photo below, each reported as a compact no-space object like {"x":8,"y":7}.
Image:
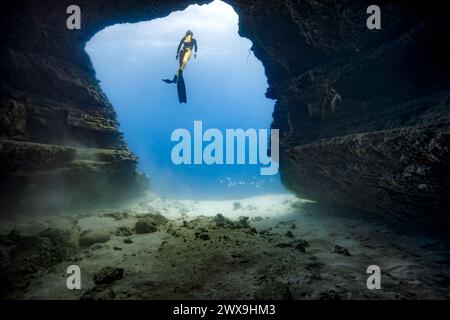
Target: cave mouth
{"x":226,"y":87}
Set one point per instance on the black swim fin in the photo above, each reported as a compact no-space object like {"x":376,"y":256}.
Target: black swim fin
{"x":181,"y":88}
{"x":175,"y":80}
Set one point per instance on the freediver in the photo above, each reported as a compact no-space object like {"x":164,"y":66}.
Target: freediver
{"x":184,"y":52}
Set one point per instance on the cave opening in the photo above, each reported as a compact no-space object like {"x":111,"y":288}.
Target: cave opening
{"x":226,"y":87}
{"x":382,"y":153}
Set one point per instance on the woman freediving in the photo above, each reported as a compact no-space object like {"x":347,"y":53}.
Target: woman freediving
{"x":184,"y":52}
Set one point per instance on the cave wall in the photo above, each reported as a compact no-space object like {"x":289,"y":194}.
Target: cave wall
{"x":363,"y":114}
{"x":60,"y":142}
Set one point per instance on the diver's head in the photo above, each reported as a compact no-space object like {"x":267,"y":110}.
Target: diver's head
{"x":189,"y":33}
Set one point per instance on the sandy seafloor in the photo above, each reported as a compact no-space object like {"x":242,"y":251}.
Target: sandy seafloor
{"x":265,"y":247}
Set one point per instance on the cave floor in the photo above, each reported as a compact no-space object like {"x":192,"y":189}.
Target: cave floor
{"x":267,"y":247}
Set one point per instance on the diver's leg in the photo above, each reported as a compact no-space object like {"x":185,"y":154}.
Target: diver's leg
{"x":175,"y":77}
{"x":180,"y":57}
{"x":186,"y":57}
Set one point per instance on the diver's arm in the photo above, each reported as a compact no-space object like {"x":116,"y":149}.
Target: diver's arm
{"x":179,"y":47}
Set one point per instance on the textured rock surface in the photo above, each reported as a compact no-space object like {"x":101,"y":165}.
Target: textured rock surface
{"x":24,"y":252}
{"x":364,"y":115}
{"x":90,"y":237}
{"x":108,"y":275}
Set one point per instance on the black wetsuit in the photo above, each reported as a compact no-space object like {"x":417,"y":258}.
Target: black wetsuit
{"x":191,"y":45}
{"x":186,"y":45}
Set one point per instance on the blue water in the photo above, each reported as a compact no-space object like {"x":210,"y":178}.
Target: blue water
{"x":225,"y":89}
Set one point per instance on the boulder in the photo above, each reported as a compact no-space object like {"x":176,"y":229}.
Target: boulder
{"x":89,"y":237}
{"x":108,"y":275}
{"x":145,"y":226}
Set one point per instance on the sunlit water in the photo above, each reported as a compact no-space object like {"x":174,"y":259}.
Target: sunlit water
{"x":225,"y":88}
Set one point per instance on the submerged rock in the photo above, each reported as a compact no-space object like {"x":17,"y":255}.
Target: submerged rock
{"x":124,"y":232}
{"x":341,"y":250}
{"x":32,"y":253}
{"x":202,"y":236}
{"x":149,"y":222}
{"x":297,"y":244}
{"x":65,"y":242}
{"x":12,"y":237}
{"x":97,"y":246}
{"x":301,"y":245}
{"x":145,"y":226}
{"x":90,"y":237}
{"x":119,"y":215}
{"x":108,"y":275}
{"x":22,"y":256}
{"x":222,"y":221}
{"x":243,"y":222}
{"x":155,"y":217}
{"x":289,"y":234}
